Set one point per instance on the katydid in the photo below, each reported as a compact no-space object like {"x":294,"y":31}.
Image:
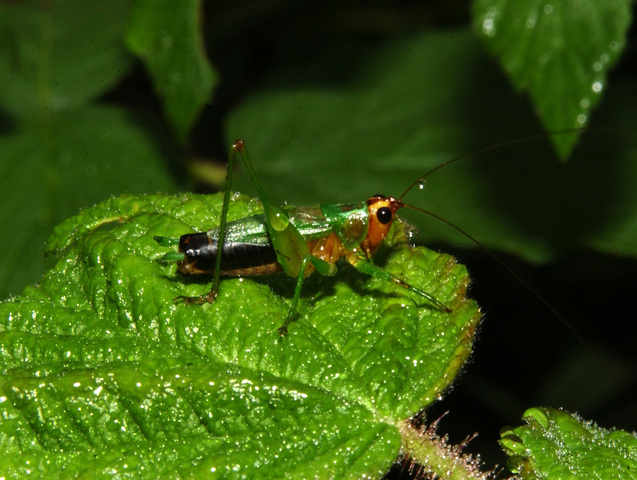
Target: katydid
{"x":296,"y":241}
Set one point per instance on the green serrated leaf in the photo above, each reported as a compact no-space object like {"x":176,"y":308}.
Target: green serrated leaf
{"x":100,"y":363}
{"x":559,"y":52}
{"x":555,"y":444}
{"x":166,"y":36}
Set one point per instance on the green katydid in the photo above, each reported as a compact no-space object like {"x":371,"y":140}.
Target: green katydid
{"x":300,"y":240}
{"x":296,"y":241}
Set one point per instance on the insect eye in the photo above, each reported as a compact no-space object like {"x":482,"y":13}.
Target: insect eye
{"x":379,"y":195}
{"x":384,"y":215}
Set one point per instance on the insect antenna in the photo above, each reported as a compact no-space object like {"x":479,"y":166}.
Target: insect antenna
{"x":420,"y":182}
{"x":506,"y":143}
{"x":511,"y":271}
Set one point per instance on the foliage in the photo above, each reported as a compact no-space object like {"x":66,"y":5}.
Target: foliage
{"x":335,"y":105}
{"x":555,"y":444}
{"x":99,"y":362}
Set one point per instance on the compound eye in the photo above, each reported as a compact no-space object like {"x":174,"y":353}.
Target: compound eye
{"x":384,"y":215}
{"x":379,"y":195}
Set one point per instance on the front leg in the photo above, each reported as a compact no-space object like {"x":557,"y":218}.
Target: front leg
{"x":363,"y":265}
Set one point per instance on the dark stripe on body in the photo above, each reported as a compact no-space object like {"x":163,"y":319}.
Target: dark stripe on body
{"x":201,"y":253}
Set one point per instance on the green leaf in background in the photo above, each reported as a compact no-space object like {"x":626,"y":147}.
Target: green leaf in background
{"x":103,"y":372}
{"x":47,"y":63}
{"x":559,"y":52}
{"x":554,"y":444}
{"x":388,"y":121}
{"x":60,"y":152}
{"x":166,"y":36}
{"x":104,"y":151}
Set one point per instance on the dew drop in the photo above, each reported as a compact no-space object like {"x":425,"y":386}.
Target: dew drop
{"x":166,"y":41}
{"x":488,"y":24}
{"x":531,"y":21}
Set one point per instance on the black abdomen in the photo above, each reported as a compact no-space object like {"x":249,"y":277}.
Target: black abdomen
{"x":238,"y":258}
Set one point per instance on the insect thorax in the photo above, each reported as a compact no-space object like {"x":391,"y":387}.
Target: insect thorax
{"x":348,"y":221}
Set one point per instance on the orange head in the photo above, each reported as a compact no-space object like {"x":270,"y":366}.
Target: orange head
{"x":382,"y":212}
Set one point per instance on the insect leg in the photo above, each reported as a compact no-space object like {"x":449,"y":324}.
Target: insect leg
{"x":216,"y":279}
{"x":362,"y":265}
{"x":290,"y":246}
{"x":321,"y":266}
